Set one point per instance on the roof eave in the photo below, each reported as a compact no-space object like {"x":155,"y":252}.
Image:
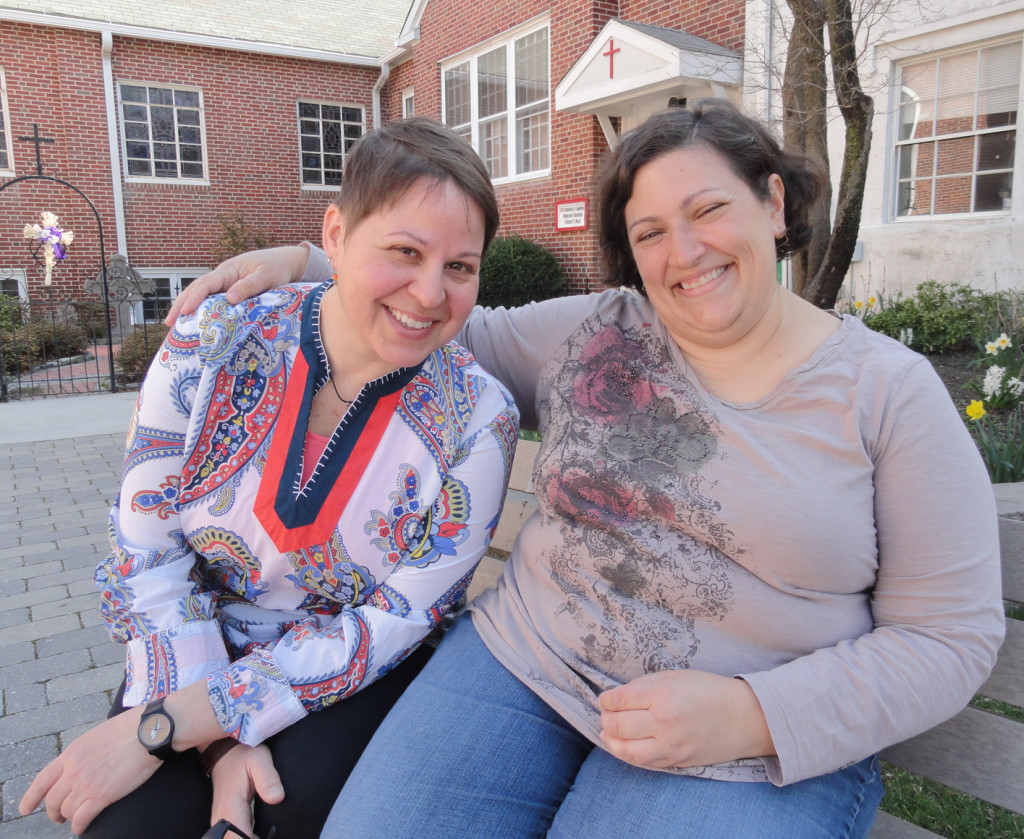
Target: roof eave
{"x":193,"y":39}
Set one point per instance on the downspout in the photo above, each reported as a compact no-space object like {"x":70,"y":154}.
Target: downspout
{"x":385,"y":71}
{"x":113,"y":142}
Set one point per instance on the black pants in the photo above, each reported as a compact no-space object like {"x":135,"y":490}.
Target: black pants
{"x":313,"y":757}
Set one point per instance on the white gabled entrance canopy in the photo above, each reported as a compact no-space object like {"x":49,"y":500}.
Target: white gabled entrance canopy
{"x":632,"y":70}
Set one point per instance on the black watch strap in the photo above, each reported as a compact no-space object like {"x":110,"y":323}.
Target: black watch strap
{"x":156,"y":730}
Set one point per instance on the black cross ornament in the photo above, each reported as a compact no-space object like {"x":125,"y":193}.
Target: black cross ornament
{"x":35,"y":138}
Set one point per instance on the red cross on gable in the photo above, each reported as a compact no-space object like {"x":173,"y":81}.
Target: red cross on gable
{"x":612,"y":49}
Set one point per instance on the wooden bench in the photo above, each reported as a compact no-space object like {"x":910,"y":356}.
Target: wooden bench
{"x":977,"y":752}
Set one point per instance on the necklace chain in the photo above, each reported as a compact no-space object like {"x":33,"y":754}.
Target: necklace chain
{"x":338,"y":394}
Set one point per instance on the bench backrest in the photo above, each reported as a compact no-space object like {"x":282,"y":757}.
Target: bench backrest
{"x":977,"y":752}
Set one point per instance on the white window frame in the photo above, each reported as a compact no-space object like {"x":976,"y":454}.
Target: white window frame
{"x":470,"y":59}
{"x":6,"y":141}
{"x":16,"y":275}
{"x":204,"y":180}
{"x":177,"y":280}
{"x":344,"y":151}
{"x":408,"y":103}
{"x":896,"y":144}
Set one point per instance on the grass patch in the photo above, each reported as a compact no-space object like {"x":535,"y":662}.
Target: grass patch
{"x":952,"y":814}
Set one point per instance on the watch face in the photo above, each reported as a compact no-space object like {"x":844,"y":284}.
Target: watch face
{"x":155,"y":730}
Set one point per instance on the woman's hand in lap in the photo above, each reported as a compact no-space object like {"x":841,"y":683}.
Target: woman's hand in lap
{"x":242,"y":277}
{"x":683,"y":718}
{"x":242,"y":773}
{"x":97,"y":769}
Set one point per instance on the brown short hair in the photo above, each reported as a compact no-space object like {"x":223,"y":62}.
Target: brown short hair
{"x":746,"y":146}
{"x":389,"y":160}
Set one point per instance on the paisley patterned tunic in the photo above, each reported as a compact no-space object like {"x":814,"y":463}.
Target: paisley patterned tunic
{"x":286,"y":594}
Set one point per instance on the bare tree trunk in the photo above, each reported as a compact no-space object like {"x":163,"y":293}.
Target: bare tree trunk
{"x":858,"y":111}
{"x":804,"y":121}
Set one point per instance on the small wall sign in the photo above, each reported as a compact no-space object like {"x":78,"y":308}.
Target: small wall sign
{"x":571,"y":215}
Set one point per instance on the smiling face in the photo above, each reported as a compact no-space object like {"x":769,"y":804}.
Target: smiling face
{"x":407,"y":279}
{"x":704,"y":245}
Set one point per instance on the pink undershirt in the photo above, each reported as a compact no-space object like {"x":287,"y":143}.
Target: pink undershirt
{"x":311,"y":451}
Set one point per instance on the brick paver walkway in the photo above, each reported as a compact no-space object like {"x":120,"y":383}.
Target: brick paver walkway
{"x":58,"y":667}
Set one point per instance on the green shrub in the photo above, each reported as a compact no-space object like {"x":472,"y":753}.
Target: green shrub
{"x":237,"y":236}
{"x":54,"y":339}
{"x":517,"y":271}
{"x":138,"y":351}
{"x":92,"y":318}
{"x":13,"y":312}
{"x":18,"y":353}
{"x":38,"y":341}
{"x":942,"y":318}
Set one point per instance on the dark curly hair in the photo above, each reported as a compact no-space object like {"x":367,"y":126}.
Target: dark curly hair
{"x":744,"y":143}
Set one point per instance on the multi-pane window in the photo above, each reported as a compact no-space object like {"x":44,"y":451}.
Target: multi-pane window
{"x":326,"y":134}
{"x":6,"y":156}
{"x":499,"y":100}
{"x":957,"y":131}
{"x":12,"y":283}
{"x":163,"y":132}
{"x":166,"y":286}
{"x":408,"y":103}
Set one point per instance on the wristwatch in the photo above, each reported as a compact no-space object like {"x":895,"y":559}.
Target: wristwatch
{"x":156,"y":730}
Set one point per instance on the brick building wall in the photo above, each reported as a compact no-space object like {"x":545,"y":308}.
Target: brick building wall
{"x":449,"y":27}
{"x":54,"y":78}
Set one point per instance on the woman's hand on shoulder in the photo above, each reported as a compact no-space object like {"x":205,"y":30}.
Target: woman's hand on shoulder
{"x":244,"y":772}
{"x":683,"y":718}
{"x":242,"y":277}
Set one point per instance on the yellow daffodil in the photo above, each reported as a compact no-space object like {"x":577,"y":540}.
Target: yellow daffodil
{"x":858,"y":304}
{"x":992,"y":348}
{"x":976,"y":410}
{"x":1004,"y":341}
{"x":872,"y":301}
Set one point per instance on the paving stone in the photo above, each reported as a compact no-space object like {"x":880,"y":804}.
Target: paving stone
{"x":16,"y":653}
{"x":39,"y":565}
{"x":12,"y":586}
{"x":56,"y":606}
{"x":52,"y":579}
{"x":86,"y":586}
{"x":109,"y":653}
{"x":41,"y":669}
{"x":76,"y":541}
{"x":77,"y":685}
{"x":87,"y":560}
{"x":24,"y":698}
{"x":69,"y":532}
{"x":92,"y":617}
{"x":30,"y":755}
{"x":34,"y":598}
{"x":39,"y":630}
{"x":25,"y":551}
{"x":13,"y":617}
{"x":76,"y":639}
{"x":36,"y":826}
{"x":52,"y":719}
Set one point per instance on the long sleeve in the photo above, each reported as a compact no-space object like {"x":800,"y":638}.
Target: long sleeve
{"x":936,"y":602}
{"x":151,"y":598}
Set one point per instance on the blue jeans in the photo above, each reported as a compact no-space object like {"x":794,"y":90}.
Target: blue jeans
{"x":469,"y":751}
